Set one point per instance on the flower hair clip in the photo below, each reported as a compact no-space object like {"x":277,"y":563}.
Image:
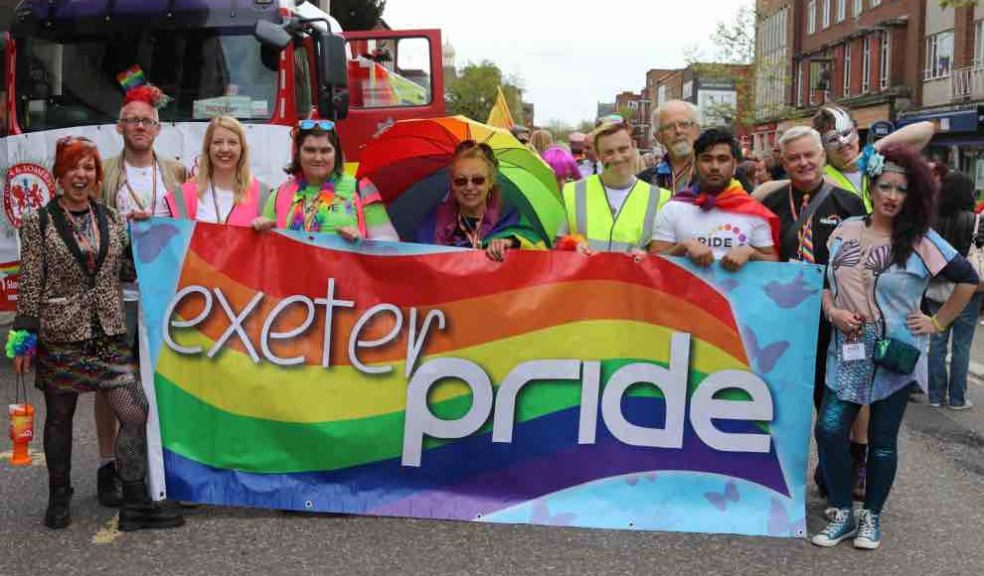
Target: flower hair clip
{"x":872,"y":162}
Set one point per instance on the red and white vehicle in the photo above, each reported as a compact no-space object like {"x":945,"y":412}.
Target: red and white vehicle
{"x":267,"y":62}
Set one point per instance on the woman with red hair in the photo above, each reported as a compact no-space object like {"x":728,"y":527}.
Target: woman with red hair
{"x":73,"y":253}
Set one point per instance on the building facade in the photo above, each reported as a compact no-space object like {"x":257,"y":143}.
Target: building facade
{"x":952,"y":61}
{"x":776,"y":40}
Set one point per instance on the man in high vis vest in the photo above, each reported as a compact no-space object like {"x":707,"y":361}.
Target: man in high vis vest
{"x":842,"y":145}
{"x":716,"y":219}
{"x":612,"y":211}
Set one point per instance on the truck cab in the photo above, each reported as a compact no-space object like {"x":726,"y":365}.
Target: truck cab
{"x":65,"y":61}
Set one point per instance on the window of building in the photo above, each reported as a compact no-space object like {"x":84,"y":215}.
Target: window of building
{"x":865,"y":64}
{"x":841,"y":10}
{"x":847,"y":69}
{"x":939,"y":55}
{"x":811,"y":16}
{"x":825,"y":13}
{"x":858,"y":7}
{"x":884,"y":62}
{"x":875,"y":3}
{"x":799,"y":85}
{"x":979,"y":44}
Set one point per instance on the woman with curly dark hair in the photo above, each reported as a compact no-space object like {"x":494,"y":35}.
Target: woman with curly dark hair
{"x":879,"y":268}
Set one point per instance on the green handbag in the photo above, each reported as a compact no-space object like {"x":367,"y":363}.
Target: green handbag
{"x":896,"y":355}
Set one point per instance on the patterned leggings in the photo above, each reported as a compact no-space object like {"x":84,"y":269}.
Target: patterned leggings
{"x":833,"y":430}
{"x":130,"y":407}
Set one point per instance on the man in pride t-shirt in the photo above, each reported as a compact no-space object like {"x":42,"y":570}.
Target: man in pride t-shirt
{"x":717,"y":219}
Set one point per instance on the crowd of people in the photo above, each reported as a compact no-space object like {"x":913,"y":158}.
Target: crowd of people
{"x":884,"y":223}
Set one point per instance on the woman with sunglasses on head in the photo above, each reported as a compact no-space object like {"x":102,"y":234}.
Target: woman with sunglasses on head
{"x":73,"y":253}
{"x":223,"y":190}
{"x":880,"y":266}
{"x":473,"y":214}
{"x":320,"y":197}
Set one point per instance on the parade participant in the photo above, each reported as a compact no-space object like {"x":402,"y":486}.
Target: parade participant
{"x":613,"y":211}
{"x":677,"y":125}
{"x":136,"y":184}
{"x":589,"y":164}
{"x":72,"y":254}
{"x":563,"y":165}
{"x":223,"y":191}
{"x":842,"y":145}
{"x":522,"y":133}
{"x":576,"y":141}
{"x":761,"y":175}
{"x":474,"y":215}
{"x":809,"y":210}
{"x":879,"y":268}
{"x":716,"y":219}
{"x":540,"y":140}
{"x":320,"y":197}
{"x":958,"y":225}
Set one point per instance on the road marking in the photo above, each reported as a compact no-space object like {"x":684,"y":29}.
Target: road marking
{"x":108,"y":533}
{"x":37,"y":458}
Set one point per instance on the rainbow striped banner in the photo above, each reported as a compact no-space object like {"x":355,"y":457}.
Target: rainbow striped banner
{"x":299,"y":372}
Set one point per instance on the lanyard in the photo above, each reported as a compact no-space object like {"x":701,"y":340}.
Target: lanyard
{"x":215,"y":202}
{"x":87,"y":242}
{"x":471,"y":233}
{"x":677,"y":177}
{"x":153,"y":190}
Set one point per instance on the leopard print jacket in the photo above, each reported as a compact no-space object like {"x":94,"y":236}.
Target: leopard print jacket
{"x":59,"y":298}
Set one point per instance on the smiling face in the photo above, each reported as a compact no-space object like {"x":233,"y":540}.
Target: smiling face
{"x":889,"y":192}
{"x":471,"y":184}
{"x":803,"y":162}
{"x":79,"y":182}
{"x":617,"y":154}
{"x":716,"y":166}
{"x":316,"y":156}
{"x":225,"y":150}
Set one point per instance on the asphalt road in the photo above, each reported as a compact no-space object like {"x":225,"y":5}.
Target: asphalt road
{"x":933,"y":525}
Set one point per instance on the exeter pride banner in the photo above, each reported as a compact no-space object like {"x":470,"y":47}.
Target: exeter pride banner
{"x":300,"y":372}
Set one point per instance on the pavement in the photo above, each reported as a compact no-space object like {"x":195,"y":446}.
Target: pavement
{"x":932,"y":526}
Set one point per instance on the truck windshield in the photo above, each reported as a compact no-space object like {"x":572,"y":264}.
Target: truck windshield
{"x":205,"y":72}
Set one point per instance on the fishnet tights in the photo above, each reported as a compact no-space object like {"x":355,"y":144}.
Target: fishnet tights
{"x":130,"y":407}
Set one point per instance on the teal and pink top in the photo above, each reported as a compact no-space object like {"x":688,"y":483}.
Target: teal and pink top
{"x":339,"y":202}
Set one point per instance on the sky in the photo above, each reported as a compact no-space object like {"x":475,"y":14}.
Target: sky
{"x":570,"y":55}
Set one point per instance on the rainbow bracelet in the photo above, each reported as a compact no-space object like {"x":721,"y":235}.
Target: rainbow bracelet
{"x":21,"y":343}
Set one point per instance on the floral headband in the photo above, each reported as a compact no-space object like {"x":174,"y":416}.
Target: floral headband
{"x":874,"y":164}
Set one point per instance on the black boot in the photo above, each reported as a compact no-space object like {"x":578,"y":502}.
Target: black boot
{"x":108,"y":486}
{"x":138,"y":512}
{"x":58,"y":515}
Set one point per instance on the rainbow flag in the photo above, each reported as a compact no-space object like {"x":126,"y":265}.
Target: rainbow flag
{"x":131,"y":78}
{"x":300,"y":372}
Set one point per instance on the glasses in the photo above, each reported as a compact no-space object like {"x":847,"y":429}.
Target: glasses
{"x":326,"y":125}
{"x":461,"y":181}
{"x":145,"y":122}
{"x":675,"y":126}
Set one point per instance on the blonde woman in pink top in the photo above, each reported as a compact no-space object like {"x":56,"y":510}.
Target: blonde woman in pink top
{"x":223,"y":191}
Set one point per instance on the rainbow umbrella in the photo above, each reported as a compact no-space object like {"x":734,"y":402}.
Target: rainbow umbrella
{"x":409,"y":165}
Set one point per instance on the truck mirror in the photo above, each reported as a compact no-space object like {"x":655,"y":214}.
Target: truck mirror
{"x":331,"y":60}
{"x":270,"y":34}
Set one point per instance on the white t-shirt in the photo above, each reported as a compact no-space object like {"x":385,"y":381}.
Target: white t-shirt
{"x":680,"y":221}
{"x":616,"y":199}
{"x":206,"y":205}
{"x":856,"y":178}
{"x":140,"y":180}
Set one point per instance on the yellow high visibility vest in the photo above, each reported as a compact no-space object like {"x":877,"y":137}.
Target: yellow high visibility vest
{"x":842,"y":181}
{"x":590,"y":215}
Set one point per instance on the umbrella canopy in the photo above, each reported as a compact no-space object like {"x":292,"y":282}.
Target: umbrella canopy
{"x":409,"y":164}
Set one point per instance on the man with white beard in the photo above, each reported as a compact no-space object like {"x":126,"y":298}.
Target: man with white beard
{"x":677,"y":125}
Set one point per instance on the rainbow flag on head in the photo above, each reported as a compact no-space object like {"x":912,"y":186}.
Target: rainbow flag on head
{"x":131,"y":78}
